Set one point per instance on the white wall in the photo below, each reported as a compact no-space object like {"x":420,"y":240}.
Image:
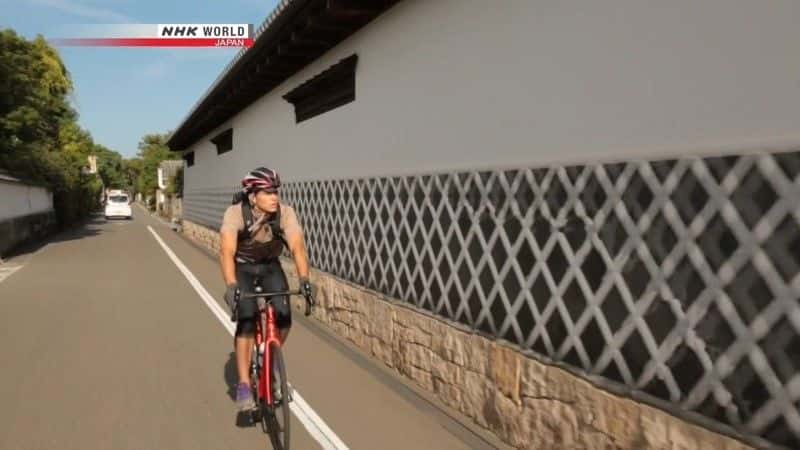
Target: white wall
{"x":464,"y":84}
{"x":17,"y":200}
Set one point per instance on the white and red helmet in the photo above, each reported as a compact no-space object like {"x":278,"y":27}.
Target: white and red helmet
{"x":261,"y":179}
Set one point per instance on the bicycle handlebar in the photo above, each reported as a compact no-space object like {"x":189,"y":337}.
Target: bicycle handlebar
{"x":267,"y":295}
{"x":270,"y":294}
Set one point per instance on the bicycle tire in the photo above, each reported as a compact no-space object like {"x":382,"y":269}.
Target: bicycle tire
{"x":279,"y":415}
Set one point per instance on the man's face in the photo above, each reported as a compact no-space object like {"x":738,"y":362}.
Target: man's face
{"x":267,"y":201}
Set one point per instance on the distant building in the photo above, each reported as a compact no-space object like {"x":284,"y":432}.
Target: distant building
{"x":166,"y":172}
{"x":92,"y":164}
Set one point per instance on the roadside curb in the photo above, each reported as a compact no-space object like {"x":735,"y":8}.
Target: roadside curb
{"x":173,"y":226}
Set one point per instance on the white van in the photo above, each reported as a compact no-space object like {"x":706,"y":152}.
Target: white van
{"x":118,"y":205}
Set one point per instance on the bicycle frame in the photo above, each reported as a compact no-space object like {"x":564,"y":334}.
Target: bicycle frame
{"x":271,"y":337}
{"x":266,"y":337}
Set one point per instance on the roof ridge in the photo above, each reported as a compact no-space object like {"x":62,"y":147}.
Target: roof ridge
{"x":263,"y":27}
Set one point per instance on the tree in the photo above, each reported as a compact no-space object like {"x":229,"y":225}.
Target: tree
{"x":132,"y":169}
{"x":152,"y":150}
{"x":40,"y":138}
{"x":110,"y":166}
{"x":34,"y":84}
{"x":175,"y":185}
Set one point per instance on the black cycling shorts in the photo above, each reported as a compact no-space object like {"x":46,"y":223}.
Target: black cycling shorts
{"x":271,"y":278}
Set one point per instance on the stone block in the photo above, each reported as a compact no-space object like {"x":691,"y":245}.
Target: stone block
{"x":446,"y":371}
{"x":360,"y":339}
{"x":503,"y":416}
{"x":534,"y":378}
{"x":475,"y":396}
{"x":415,"y":355}
{"x":413,"y":335}
{"x":339,"y":327}
{"x":504,"y":369}
{"x":335,"y":300}
{"x":360,"y":322}
{"x":382,"y":351}
{"x":654,"y":431}
{"x":417,"y":321}
{"x":383,"y":321}
{"x":451,"y":345}
{"x":616,"y":417}
{"x":419,"y":376}
{"x":476,"y":350}
{"x":449,"y":394}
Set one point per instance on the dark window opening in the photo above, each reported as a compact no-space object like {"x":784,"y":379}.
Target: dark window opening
{"x":189,"y":158}
{"x":328,"y":90}
{"x":224,"y":141}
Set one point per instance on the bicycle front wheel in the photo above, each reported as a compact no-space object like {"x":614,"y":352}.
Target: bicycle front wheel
{"x":279,"y":426}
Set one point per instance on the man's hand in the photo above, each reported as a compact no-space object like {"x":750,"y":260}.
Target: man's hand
{"x":305,"y":287}
{"x":231,"y":299}
{"x":308,"y":292}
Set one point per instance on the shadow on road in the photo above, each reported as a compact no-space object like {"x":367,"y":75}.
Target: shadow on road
{"x":231,"y":377}
{"x":89,"y":228}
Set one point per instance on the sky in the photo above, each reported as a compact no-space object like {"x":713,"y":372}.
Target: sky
{"x":121,"y":94}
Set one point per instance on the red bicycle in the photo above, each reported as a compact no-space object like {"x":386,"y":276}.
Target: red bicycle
{"x":271,"y":387}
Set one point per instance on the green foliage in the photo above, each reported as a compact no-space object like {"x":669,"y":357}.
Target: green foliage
{"x":34,"y":85}
{"x":40,"y":138}
{"x":132,"y":169}
{"x":152,"y":150}
{"x":175,"y":185}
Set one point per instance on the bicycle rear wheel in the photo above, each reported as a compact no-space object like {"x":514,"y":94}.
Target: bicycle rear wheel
{"x":279,"y":415}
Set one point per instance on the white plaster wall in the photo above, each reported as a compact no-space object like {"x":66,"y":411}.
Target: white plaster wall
{"x":18,"y":200}
{"x":465,"y":84}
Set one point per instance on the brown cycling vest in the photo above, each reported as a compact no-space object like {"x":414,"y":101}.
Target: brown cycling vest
{"x":251,"y":251}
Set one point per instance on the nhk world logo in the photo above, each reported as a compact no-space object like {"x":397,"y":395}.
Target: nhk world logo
{"x":160,"y":35}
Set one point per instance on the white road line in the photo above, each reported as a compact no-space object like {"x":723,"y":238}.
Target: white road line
{"x":154,"y":216}
{"x":316,"y":427}
{"x":7,"y":271}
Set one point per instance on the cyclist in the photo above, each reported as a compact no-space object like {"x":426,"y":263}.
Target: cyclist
{"x":252,"y":235}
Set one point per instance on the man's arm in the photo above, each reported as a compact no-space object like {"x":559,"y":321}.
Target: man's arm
{"x":227,"y":252}
{"x":298,"y":249}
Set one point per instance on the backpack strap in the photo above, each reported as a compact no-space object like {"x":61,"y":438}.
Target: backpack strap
{"x":247,"y":216}
{"x":275,"y":225}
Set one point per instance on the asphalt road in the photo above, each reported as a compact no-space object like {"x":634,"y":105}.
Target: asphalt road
{"x":106,"y":344}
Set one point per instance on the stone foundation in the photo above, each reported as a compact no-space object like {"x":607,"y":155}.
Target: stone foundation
{"x":526,"y":403}
{"x":202,"y":235}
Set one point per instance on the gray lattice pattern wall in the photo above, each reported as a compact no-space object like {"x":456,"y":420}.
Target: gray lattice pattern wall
{"x":678,"y":278}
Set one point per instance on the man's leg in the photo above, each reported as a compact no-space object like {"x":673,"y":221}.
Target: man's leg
{"x":275,"y":280}
{"x":245,"y":339}
{"x":244,"y":349}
